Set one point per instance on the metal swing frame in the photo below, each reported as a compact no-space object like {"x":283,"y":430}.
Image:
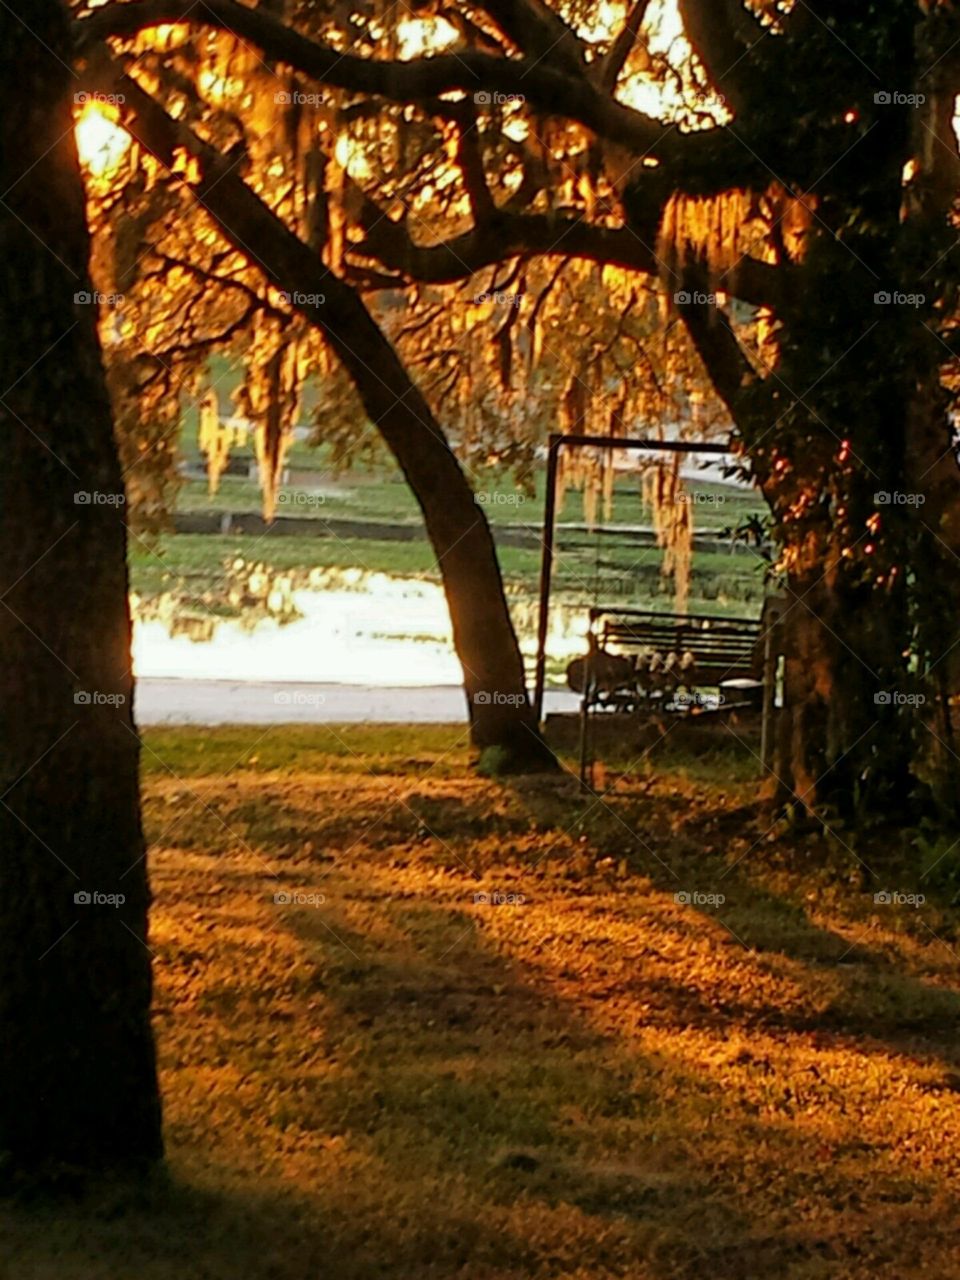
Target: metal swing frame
{"x":557,"y":442}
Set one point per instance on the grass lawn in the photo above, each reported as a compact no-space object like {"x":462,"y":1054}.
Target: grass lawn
{"x":588,"y":567}
{"x":377,"y":491}
{"x":596,"y":1081}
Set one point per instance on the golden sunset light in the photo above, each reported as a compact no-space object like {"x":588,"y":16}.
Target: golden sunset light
{"x":480,"y":635}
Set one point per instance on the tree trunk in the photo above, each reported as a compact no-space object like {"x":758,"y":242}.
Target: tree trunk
{"x":77,"y":1063}
{"x":843,"y":736}
{"x":501,"y":715}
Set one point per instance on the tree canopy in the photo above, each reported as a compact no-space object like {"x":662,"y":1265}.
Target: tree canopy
{"x":770,"y":186}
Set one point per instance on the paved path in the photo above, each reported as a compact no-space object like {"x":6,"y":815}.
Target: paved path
{"x":162,"y":701}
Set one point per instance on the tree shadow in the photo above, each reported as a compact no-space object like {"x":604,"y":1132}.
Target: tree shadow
{"x":380,"y":1087}
{"x":514,"y":1093}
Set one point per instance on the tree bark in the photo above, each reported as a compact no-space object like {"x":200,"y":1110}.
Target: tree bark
{"x":77,"y":1064}
{"x":502,"y":718}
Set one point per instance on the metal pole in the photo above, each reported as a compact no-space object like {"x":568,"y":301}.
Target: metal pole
{"x":546,"y":572}
{"x":556,"y":442}
{"x":767,"y":711}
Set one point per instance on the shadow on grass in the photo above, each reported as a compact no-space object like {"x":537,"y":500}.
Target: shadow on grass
{"x":599,"y":1083}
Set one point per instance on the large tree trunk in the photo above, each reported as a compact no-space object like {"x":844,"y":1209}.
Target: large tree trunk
{"x":847,"y":438}
{"x":843,"y":744}
{"x":77,"y":1063}
{"x":850,"y":366}
{"x":500,"y":712}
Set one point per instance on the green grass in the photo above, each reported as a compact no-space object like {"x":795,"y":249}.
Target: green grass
{"x":337,"y":748}
{"x":596,"y":1082}
{"x":588,"y":567}
{"x":381,"y":494}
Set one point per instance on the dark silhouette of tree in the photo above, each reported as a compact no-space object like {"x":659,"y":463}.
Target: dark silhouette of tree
{"x":76,"y":1056}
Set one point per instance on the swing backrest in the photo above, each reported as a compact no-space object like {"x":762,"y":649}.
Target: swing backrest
{"x":722,"y":648}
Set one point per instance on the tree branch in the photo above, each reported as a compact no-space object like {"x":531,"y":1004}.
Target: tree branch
{"x":459,"y":532}
{"x":613,"y":62}
{"x":538,"y":31}
{"x":548,"y":235}
{"x":734,"y":378}
{"x":556,"y":92}
{"x":722,"y":32}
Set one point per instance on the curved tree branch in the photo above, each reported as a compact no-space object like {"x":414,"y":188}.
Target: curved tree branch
{"x":722,"y":33}
{"x":547,"y":235}
{"x":538,"y":31}
{"x":554,"y":91}
{"x":609,"y":68}
{"x":734,"y":378}
{"x":459,"y":532}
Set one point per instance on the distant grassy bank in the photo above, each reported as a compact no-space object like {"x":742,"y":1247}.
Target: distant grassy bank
{"x":588,"y":567}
